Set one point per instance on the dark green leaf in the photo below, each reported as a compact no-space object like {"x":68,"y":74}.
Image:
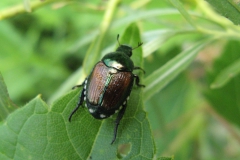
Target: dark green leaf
{"x":226,"y":99}
{"x":226,"y":74}
{"x":227,"y":8}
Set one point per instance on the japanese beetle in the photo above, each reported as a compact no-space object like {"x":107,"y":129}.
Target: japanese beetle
{"x":107,"y":89}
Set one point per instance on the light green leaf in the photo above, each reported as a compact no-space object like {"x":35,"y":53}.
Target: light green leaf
{"x":155,"y":43}
{"x":6,"y":105}
{"x":122,"y":22}
{"x":145,"y":14}
{"x":181,"y":9}
{"x":161,"y":77}
{"x":158,"y":37}
{"x":226,"y":74}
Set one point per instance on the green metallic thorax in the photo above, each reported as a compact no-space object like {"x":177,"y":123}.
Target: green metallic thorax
{"x":120,"y":59}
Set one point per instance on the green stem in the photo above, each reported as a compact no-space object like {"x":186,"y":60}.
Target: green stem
{"x":107,"y":19}
{"x":18,"y":9}
{"x":93,"y":53}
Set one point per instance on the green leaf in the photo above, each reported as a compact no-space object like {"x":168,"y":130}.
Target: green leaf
{"x":152,"y":45}
{"x":6,"y":105}
{"x":41,"y":133}
{"x":181,"y":9}
{"x":226,"y":74}
{"x":225,"y":100}
{"x":161,"y":77}
{"x":166,"y":158}
{"x":178,"y":105}
{"x":144,"y":14}
{"x":157,"y":38}
{"x":227,"y":8}
{"x":24,"y":133}
{"x":130,"y":18}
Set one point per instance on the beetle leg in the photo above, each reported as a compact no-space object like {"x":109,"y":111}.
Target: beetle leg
{"x":80,"y":102}
{"x":78,"y":105}
{"x":137,"y":81}
{"x":119,"y":117}
{"x":136,"y":67}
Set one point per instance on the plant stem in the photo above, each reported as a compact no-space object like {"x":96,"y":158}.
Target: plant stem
{"x":18,"y":9}
{"x":93,"y":52}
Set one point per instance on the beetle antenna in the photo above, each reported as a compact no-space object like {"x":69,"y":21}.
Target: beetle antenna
{"x":118,"y":40}
{"x":139,"y":44}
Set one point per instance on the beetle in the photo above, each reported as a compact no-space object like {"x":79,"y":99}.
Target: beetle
{"x":108,"y":87}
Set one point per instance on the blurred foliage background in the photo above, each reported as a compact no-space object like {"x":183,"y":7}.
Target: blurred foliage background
{"x":195,"y":116}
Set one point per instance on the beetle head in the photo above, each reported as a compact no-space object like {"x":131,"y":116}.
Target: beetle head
{"x":126,"y":48}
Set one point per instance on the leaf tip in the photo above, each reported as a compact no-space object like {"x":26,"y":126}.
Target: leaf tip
{"x":39,"y":96}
